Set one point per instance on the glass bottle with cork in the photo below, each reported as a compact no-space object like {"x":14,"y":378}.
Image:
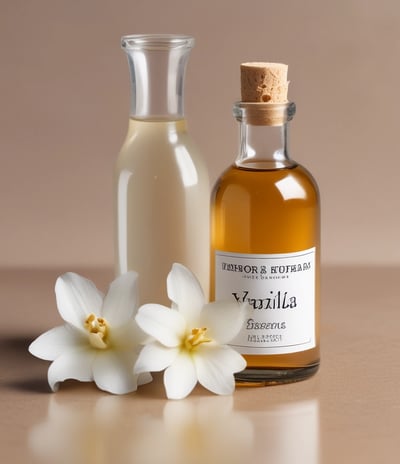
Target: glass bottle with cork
{"x":265,"y":236}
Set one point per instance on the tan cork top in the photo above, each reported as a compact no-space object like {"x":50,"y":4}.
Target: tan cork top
{"x":264,"y":82}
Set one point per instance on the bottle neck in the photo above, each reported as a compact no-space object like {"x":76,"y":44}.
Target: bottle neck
{"x":264,"y":135}
{"x":157,"y":65}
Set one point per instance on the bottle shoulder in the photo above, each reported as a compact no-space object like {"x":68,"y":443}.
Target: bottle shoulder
{"x":159,"y":141}
{"x":294,"y":182}
{"x":147,"y":133}
{"x":161,"y":152}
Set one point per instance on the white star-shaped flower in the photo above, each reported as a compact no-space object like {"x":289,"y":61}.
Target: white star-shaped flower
{"x":100,"y":340}
{"x":190,"y":339}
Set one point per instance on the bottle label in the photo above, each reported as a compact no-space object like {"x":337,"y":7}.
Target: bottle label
{"x":280,"y":289}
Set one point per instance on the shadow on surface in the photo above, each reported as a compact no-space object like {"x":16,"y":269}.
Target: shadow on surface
{"x":19,"y":369}
{"x":34,"y":385}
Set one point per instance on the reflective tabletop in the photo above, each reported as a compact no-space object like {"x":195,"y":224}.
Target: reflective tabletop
{"x":349,"y":412}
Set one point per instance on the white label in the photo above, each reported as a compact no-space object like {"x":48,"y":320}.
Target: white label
{"x":280,"y":289}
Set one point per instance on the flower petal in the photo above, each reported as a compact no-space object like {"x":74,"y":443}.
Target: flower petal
{"x":185,"y":291}
{"x":121,"y":301}
{"x":223,"y":320}
{"x":54,"y":342}
{"x":144,"y":378}
{"x":113,"y":372}
{"x":180,"y":378}
{"x":73,"y":364}
{"x":128,"y":336}
{"x":155,"y":357}
{"x":77,"y":297}
{"x":164,"y":324}
{"x":215,"y":366}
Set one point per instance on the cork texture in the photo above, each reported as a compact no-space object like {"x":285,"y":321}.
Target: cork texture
{"x":264,"y":82}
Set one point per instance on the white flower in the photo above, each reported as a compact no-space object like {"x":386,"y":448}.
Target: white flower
{"x":190,"y":339}
{"x":100,"y":339}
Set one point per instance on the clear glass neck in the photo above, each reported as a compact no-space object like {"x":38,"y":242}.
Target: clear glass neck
{"x":157,"y":65}
{"x":264,"y":135}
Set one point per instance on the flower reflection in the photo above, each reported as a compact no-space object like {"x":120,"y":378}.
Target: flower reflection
{"x":84,"y":431}
{"x":121,"y":430}
{"x":207,"y":431}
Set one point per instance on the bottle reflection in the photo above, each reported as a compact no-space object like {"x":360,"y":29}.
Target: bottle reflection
{"x":288,"y":432}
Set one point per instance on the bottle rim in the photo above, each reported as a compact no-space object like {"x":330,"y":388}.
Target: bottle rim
{"x":156,"y":41}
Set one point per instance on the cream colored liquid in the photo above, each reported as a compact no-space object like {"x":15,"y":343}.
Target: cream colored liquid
{"x":162,"y":206}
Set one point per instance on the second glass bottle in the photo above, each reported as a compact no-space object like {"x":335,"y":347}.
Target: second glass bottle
{"x":161,"y":180}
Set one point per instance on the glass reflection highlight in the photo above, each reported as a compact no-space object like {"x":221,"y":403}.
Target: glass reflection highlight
{"x":291,"y":189}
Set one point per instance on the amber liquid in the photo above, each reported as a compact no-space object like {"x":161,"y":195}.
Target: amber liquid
{"x":268,"y":211}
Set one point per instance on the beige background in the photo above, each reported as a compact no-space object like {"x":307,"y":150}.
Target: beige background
{"x":64,"y":95}
{"x":65,"y":101}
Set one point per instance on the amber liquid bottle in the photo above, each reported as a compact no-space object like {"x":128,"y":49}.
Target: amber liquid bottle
{"x":265,"y":248}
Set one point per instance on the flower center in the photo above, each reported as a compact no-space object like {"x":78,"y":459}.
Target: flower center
{"x":97,"y":328}
{"x":196,"y":337}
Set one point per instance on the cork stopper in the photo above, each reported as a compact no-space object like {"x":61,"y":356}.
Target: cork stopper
{"x":264,"y":89}
{"x":264,"y":82}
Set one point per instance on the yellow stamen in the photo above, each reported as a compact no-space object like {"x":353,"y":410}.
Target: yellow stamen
{"x":196,"y":337}
{"x":97,"y":328}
